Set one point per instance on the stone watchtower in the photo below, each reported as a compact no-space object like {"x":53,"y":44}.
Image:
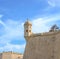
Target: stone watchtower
{"x":27,"y":29}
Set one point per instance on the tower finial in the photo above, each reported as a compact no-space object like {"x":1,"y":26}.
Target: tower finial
{"x":27,"y":22}
{"x":27,"y":19}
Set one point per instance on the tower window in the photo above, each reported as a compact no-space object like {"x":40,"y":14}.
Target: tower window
{"x":26,"y":30}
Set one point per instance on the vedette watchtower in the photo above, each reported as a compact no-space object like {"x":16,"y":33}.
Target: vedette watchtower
{"x":27,"y":29}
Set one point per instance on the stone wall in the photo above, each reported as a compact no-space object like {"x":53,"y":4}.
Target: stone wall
{"x":0,"y":55}
{"x":10,"y":55}
{"x":6,"y":55}
{"x":43,"y":47}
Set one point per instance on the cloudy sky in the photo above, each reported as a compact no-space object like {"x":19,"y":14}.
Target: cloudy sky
{"x":13,"y":13}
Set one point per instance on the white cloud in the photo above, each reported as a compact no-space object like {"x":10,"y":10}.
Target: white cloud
{"x":1,"y":16}
{"x":54,"y":3}
{"x":12,"y":30}
{"x":51,"y":3}
{"x":12,"y":47}
{"x":44,"y":24}
{"x":1,"y":22}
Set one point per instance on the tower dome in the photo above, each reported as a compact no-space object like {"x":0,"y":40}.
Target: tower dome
{"x":28,"y":22}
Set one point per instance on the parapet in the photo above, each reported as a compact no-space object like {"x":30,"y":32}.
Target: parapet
{"x":45,"y":33}
{"x":12,"y":52}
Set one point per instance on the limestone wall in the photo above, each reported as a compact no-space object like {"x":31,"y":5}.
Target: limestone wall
{"x":10,"y":55}
{"x":57,"y":46}
{"x":16,"y":56}
{"x":7,"y":55}
{"x":0,"y":55}
{"x":43,"y":47}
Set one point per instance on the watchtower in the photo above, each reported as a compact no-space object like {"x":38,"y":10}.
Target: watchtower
{"x":27,"y":29}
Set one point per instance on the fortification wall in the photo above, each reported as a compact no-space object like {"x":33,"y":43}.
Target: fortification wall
{"x":6,"y":55}
{"x":17,"y":56}
{"x":0,"y":55}
{"x":10,"y":55}
{"x":43,"y":46}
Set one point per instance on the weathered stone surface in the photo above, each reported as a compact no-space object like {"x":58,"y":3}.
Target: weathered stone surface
{"x":10,"y":55}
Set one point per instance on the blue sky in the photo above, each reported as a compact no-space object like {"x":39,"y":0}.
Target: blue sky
{"x":13,"y":13}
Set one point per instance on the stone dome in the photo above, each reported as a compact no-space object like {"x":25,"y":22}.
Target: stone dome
{"x":28,"y":22}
